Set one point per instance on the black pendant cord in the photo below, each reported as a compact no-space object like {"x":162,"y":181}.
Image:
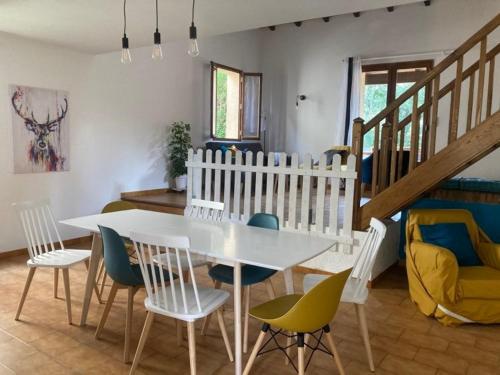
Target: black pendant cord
{"x":192,"y":14}
{"x":124,"y":17}
{"x":156,"y":15}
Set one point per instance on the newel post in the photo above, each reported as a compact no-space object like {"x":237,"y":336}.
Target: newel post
{"x":357,"y":150}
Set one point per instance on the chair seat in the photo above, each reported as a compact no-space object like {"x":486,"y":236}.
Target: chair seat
{"x":480,"y":282}
{"x":59,"y":258}
{"x":350,"y":293}
{"x":196,"y":260}
{"x":268,"y":311}
{"x":249,"y":274}
{"x":210,"y":300}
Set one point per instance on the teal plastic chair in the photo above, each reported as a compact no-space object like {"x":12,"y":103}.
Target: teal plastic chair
{"x":250,"y":275}
{"x":125,"y":276}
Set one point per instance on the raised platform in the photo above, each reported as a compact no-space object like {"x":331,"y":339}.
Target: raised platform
{"x":162,"y":200}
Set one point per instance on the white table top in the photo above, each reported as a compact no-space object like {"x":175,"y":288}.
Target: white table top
{"x":228,"y":241}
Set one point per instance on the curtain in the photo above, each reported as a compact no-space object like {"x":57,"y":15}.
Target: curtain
{"x":351,"y":98}
{"x":251,"y":112}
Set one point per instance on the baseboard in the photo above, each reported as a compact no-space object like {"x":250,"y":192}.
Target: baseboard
{"x":67,"y":243}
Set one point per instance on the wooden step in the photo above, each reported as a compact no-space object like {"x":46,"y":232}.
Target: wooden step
{"x":448,"y":162}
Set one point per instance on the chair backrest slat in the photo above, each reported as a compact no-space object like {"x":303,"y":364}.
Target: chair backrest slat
{"x":205,"y":210}
{"x":47,"y":228}
{"x":366,"y":259}
{"x":38,"y":226}
{"x":169,"y":253}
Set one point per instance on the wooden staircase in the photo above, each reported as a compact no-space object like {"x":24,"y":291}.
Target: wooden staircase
{"x":470,"y":137}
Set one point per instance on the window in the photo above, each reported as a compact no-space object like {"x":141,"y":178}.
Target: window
{"x":382,"y":84}
{"x":235,"y":103}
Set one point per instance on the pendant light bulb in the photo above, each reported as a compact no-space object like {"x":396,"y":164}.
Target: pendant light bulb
{"x":157,"y":51}
{"x":193,"y":50}
{"x":126,"y":58}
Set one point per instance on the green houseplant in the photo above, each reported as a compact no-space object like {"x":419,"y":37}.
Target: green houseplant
{"x":179,"y":142}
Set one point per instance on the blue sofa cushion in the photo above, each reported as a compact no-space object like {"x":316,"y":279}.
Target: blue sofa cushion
{"x":454,"y":237}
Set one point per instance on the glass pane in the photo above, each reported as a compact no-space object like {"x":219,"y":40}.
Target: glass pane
{"x":226,"y":111}
{"x":374,"y":100}
{"x":251,"y":111}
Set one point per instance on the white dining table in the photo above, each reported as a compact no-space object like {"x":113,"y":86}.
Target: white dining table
{"x":227,"y":243}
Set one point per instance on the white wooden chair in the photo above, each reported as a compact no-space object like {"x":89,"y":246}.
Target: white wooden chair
{"x":205,"y":210}
{"x":39,"y":229}
{"x":356,"y":288}
{"x":179,"y":300}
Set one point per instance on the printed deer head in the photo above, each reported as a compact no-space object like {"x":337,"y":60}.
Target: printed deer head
{"x":41,"y":150}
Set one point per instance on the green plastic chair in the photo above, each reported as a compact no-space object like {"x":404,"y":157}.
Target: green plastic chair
{"x":304,"y":314}
{"x":102,"y":274}
{"x":250,"y":274}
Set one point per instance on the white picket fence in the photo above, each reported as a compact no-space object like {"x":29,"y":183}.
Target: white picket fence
{"x":298,"y":193}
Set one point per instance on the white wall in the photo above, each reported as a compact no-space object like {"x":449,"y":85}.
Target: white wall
{"x":308,"y":60}
{"x":118,"y":119}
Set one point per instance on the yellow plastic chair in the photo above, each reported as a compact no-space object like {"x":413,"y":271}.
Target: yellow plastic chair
{"x":304,"y":314}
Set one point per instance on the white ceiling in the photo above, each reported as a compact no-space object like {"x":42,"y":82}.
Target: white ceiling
{"x":96,"y":26}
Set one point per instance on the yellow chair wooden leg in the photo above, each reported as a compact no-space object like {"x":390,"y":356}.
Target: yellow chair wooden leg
{"x":222,"y":326}
{"x":256,"y":349}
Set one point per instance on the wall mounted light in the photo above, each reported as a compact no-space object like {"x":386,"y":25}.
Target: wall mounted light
{"x":157,"y":52}
{"x":272,"y":28}
{"x":298,"y":24}
{"x":326,"y":19}
{"x":357,"y":14}
{"x":193,"y":50}
{"x":125,"y":58}
{"x":299,"y":98}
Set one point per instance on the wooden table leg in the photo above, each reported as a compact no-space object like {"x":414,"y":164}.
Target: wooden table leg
{"x":288,"y":275}
{"x":95,"y":257}
{"x":237,"y":320}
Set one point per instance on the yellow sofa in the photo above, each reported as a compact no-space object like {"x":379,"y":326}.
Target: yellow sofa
{"x":440,"y":288}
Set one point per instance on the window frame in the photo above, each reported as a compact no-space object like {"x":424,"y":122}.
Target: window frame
{"x":392,"y":69}
{"x":213,"y":67}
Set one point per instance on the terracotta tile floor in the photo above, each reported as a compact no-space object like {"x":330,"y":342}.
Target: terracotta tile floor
{"x":403,"y":340}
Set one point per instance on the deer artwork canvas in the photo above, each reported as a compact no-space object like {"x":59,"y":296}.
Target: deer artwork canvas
{"x":40,"y":127}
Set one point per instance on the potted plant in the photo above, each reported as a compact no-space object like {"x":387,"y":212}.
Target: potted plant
{"x":179,"y":142}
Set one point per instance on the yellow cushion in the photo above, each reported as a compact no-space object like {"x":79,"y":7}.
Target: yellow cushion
{"x":479,"y":282}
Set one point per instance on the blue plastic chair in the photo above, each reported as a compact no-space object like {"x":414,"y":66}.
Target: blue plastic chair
{"x":249,"y":274}
{"x":125,"y":276}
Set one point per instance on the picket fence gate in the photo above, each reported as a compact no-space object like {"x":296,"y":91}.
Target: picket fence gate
{"x":297,"y":193}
